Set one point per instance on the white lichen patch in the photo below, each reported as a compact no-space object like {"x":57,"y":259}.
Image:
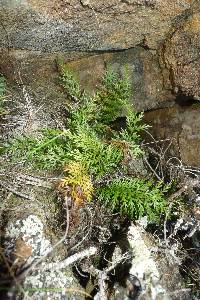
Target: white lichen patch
{"x":39,"y":284}
{"x":144,"y":266}
{"x":31,"y":231}
{"x":51,"y":285}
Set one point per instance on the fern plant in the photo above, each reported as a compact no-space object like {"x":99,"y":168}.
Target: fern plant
{"x":113,"y":96}
{"x":134,"y":197}
{"x":69,"y":82}
{"x":98,"y":156}
{"x":90,"y":150}
{"x":79,"y":183}
{"x":47,"y":151}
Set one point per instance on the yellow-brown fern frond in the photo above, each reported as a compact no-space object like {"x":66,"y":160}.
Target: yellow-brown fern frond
{"x":81,"y":188}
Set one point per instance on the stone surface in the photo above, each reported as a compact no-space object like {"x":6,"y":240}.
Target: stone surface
{"x":182,"y":126}
{"x":60,"y":25}
{"x":26,"y":239}
{"x":33,"y":33}
{"x":26,"y":234}
{"x":39,"y":71}
{"x":182,"y":56}
{"x":152,"y":268}
{"x":148,"y":88}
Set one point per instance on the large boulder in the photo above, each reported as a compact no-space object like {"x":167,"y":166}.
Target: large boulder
{"x":59,"y":25}
{"x":33,"y":33}
{"x":40,"y":70}
{"x":152,"y":266}
{"x":182,"y":56}
{"x":25,"y":242}
{"x":180,"y":127}
{"x":154,"y":271}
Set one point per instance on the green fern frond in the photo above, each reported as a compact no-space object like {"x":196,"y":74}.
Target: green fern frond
{"x":48,"y":151}
{"x":134,"y":197}
{"x":69,"y":82}
{"x":114,"y":96}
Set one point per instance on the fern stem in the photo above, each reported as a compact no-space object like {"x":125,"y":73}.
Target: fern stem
{"x":48,"y":142}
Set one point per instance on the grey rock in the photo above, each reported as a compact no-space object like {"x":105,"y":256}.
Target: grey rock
{"x":180,"y":125}
{"x":182,"y":55}
{"x":25,"y":241}
{"x":86,"y":25}
{"x":152,"y":271}
{"x":38,"y":70}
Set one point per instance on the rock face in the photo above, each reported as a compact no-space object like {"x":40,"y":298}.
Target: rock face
{"x":181,"y":125}
{"x":152,"y":268}
{"x":182,"y":56}
{"x":59,"y":25}
{"x":25,"y":241}
{"x":162,"y":38}
{"x":148,"y":88}
{"x":158,"y":40}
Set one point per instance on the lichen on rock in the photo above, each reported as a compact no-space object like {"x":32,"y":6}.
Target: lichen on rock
{"x":31,"y":231}
{"x":25,"y":242}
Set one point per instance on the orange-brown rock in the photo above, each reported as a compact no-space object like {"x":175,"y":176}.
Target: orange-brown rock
{"x":60,"y":25}
{"x":40,"y":70}
{"x":182,"y":56}
{"x":181,"y":125}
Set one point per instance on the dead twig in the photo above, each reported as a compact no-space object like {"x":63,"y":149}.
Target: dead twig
{"x":90,"y":226}
{"x":31,"y":180}
{"x":70,"y":260}
{"x":10,"y":189}
{"x":171,"y":202}
{"x":102,"y":276}
{"x":153,"y":171}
